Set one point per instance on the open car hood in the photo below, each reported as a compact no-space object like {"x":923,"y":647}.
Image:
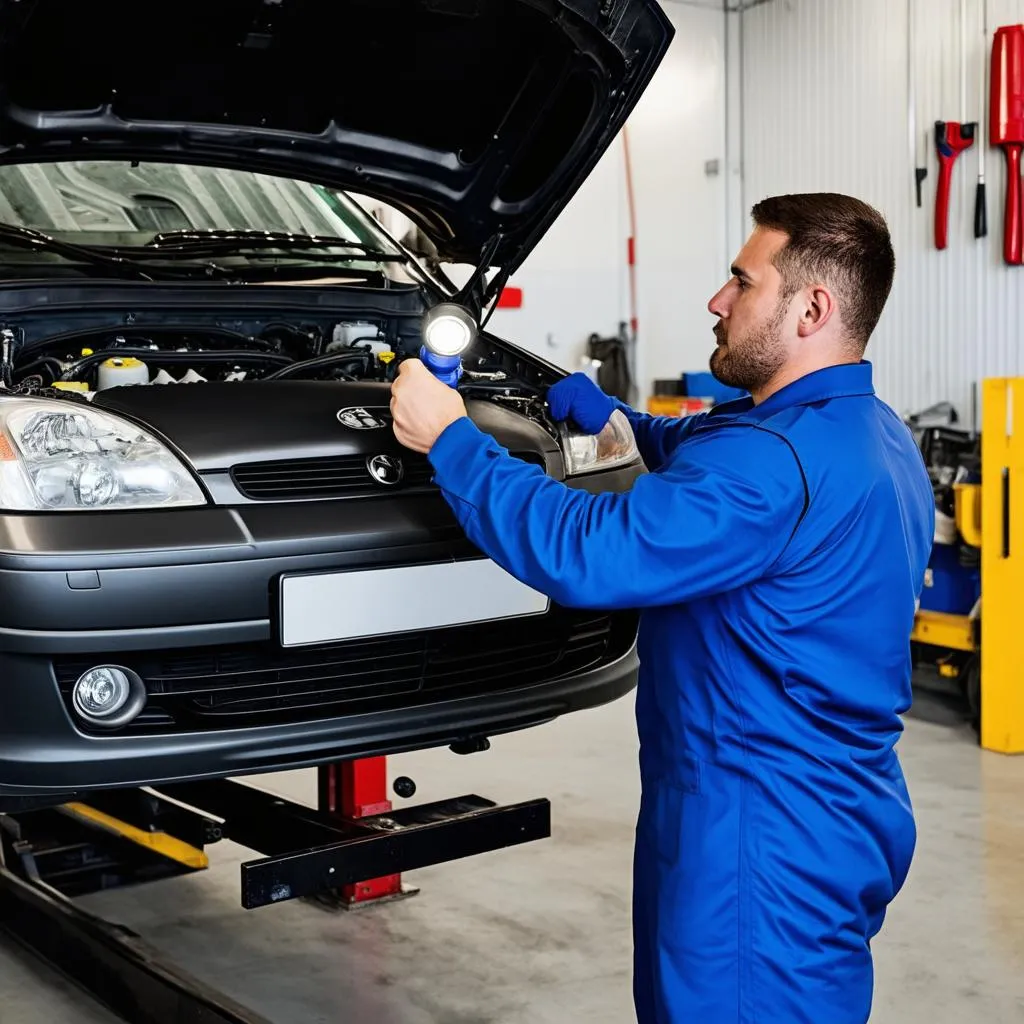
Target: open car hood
{"x":477,"y":118}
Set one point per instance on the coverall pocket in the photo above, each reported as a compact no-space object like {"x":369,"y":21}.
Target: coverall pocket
{"x":689,"y":891}
{"x":663,"y":813}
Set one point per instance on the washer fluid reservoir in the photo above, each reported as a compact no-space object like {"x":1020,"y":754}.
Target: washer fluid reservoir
{"x":122,"y":370}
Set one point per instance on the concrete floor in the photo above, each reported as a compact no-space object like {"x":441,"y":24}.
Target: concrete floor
{"x":541,"y":933}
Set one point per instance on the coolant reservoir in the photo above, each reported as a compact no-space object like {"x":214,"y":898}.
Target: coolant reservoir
{"x":122,"y":370}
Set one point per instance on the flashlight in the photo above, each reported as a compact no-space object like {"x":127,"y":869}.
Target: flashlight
{"x":448,"y":330}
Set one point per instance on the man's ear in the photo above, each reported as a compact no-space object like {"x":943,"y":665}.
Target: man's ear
{"x":816,"y":309}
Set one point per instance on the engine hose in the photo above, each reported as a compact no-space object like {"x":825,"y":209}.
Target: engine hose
{"x":54,"y":364}
{"x":148,"y":330}
{"x":151,"y":356}
{"x":332,"y":359}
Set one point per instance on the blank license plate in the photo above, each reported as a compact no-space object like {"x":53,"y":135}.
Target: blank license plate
{"x":324,"y":607}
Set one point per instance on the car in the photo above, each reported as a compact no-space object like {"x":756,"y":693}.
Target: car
{"x":216,"y":557}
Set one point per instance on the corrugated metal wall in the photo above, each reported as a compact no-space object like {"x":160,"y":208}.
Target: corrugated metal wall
{"x":825,"y":108}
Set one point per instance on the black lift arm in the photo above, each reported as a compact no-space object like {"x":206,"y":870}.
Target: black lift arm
{"x":129,"y":837}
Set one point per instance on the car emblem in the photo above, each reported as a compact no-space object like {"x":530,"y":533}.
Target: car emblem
{"x":386,"y":469}
{"x":361,"y":419}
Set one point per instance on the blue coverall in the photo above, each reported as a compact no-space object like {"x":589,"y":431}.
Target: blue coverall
{"x":776,"y":552}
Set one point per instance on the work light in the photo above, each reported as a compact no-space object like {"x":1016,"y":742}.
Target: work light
{"x":448,"y":330}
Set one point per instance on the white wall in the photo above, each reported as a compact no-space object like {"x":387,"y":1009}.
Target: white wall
{"x":825,"y":108}
{"x":575,"y":282}
{"x":682,"y":260}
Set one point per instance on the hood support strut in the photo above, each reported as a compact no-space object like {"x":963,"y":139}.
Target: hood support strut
{"x":475,"y":293}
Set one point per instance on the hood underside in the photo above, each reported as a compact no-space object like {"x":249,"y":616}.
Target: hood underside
{"x":477,"y":118}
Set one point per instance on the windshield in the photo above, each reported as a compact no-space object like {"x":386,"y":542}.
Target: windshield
{"x":114,"y":203}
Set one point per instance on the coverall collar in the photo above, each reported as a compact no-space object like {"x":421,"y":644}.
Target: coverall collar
{"x":841,"y":381}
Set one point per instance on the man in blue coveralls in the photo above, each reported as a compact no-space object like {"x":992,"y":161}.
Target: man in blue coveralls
{"x":776,"y":548}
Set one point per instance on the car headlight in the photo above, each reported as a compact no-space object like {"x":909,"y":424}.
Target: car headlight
{"x":590,"y":453}
{"x":64,"y":456}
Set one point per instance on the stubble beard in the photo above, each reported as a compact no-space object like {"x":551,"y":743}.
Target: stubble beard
{"x":751,"y":362}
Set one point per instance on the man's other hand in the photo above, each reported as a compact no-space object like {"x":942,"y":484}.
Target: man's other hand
{"x":578,"y":398}
{"x":422,"y":407}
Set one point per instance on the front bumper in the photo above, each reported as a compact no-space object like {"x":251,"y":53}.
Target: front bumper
{"x":196,"y":580}
{"x":45,"y":758}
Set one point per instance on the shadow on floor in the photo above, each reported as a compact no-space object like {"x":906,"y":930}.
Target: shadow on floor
{"x":938,"y":701}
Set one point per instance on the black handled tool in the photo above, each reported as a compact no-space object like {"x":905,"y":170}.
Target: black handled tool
{"x":920,"y":173}
{"x":980,"y":202}
{"x":918,"y":159}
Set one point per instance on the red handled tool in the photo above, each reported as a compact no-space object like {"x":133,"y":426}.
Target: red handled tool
{"x":1007,"y":129}
{"x":951,"y":139}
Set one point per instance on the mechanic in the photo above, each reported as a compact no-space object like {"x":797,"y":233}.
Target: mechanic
{"x":776,"y":549}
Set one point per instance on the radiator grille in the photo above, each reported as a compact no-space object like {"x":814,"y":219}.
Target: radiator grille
{"x":263,"y":684}
{"x":341,"y":476}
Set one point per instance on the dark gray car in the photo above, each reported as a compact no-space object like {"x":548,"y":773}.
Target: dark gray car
{"x":215,"y":558}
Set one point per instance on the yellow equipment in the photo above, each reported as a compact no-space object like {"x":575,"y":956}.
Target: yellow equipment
{"x":987,"y":647}
{"x":676,"y":405}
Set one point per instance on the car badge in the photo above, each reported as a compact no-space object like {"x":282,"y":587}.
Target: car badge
{"x":361,"y":419}
{"x":386,"y":469}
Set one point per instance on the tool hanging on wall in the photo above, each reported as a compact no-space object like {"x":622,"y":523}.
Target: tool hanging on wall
{"x":951,"y":139}
{"x":921,"y":172}
{"x":980,"y":201}
{"x":920,"y":165}
{"x":1006,"y":128}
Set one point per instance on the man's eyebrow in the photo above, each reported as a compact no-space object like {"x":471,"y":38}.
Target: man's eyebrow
{"x":739,"y":272}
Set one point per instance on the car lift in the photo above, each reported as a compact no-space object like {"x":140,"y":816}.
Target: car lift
{"x":348,"y":852}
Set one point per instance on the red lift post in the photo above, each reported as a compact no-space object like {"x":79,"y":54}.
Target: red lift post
{"x":353,"y":790}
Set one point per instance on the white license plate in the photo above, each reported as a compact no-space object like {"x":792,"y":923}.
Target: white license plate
{"x":324,"y":607}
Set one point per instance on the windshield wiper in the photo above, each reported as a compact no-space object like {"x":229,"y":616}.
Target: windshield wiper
{"x":28,"y":238}
{"x":192,"y":243}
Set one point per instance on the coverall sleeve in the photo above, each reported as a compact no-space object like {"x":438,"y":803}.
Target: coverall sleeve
{"x":715,"y":518}
{"x":657,"y":437}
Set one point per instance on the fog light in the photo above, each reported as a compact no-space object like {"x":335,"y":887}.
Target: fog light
{"x":108,"y":696}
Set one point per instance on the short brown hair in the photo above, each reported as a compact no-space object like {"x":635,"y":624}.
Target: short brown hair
{"x":840,"y":242}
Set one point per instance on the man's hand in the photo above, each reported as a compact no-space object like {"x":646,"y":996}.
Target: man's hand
{"x":422,"y":406}
{"x":578,"y":398}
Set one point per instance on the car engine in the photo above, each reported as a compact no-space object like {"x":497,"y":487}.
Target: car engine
{"x":80,"y":361}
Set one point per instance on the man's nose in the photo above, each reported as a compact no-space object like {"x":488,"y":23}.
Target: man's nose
{"x":718,"y":306}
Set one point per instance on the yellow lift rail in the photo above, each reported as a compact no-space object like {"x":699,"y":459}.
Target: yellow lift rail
{"x":159,"y":842}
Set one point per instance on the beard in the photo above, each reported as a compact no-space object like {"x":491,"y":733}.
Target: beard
{"x":751,"y":361}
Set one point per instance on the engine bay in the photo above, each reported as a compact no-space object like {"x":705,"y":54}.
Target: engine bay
{"x":78,"y":361}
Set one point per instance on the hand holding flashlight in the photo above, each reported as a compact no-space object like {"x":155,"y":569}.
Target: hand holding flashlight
{"x":422,"y":406}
